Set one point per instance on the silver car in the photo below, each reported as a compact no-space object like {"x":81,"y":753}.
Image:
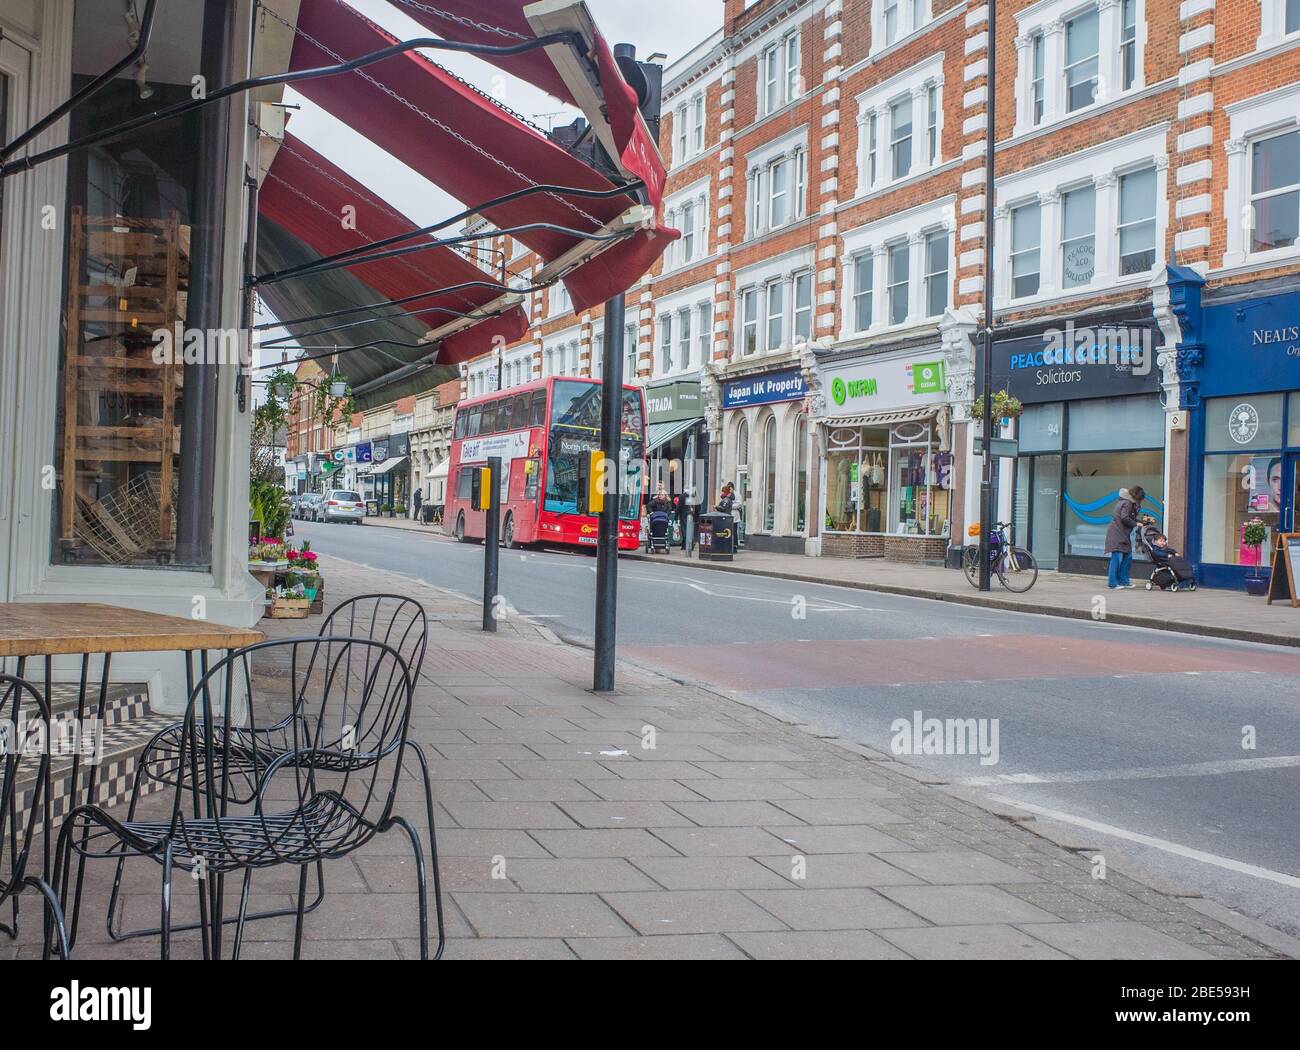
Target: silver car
{"x":342,"y":505}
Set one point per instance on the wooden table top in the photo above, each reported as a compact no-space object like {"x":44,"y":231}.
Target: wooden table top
{"x":59,"y":628}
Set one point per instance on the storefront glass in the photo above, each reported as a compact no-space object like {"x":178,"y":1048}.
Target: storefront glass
{"x":1092,"y":486}
{"x":1246,"y":485}
{"x":882,"y":479}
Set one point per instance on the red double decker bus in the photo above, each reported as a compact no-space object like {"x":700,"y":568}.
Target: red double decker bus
{"x":541,"y":431}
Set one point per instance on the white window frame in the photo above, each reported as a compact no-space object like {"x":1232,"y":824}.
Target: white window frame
{"x":801,"y":277}
{"x":780,"y":83}
{"x":791,"y":154}
{"x":684,"y":337}
{"x":909,"y":230}
{"x":875,"y":125}
{"x":1049,"y":17}
{"x":693,"y":245}
{"x":1272,"y":25}
{"x":1102,"y":165}
{"x":1249,"y":120}
{"x":1037,"y":249}
{"x":907,"y":21}
{"x":704,"y":334}
{"x":630,"y":351}
{"x":665,"y":359}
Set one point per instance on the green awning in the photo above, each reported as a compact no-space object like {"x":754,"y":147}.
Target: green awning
{"x":661,"y":433}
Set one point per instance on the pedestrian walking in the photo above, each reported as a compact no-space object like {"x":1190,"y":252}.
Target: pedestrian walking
{"x":1119,"y":537}
{"x":416,"y":501}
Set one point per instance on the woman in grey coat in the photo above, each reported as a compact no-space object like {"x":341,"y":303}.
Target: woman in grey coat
{"x":1119,"y":541}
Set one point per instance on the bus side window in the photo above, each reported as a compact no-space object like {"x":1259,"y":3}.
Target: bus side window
{"x":539,"y":408}
{"x":460,"y":425}
{"x":471,"y":429}
{"x":489,"y":421}
{"x":519,"y":412}
{"x":465,"y":482}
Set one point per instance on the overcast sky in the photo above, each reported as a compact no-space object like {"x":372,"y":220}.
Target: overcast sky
{"x":671,"y":27}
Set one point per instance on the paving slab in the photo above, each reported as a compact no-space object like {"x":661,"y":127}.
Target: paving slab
{"x":689,"y":911}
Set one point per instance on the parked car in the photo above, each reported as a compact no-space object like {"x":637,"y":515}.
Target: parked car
{"x":309,"y":506}
{"x":342,"y":505}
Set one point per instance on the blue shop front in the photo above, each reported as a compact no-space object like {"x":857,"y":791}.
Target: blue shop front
{"x":1244,"y":428}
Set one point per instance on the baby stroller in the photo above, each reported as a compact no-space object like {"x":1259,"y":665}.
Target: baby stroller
{"x":656,"y":540}
{"x":1170,"y":570}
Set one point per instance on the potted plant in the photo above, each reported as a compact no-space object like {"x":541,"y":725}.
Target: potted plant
{"x":1005,"y":406}
{"x":1253,"y":536}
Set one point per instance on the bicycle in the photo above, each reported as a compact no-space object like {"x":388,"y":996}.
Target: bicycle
{"x":1014,"y":566}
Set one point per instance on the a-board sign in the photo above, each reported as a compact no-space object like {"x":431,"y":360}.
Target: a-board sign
{"x":1286,"y":563}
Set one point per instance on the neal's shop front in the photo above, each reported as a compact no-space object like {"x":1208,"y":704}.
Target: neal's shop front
{"x":1092,"y":425}
{"x":887,"y":479}
{"x":1245,"y":435}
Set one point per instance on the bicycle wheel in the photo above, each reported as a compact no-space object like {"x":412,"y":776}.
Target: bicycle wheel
{"x":1018,"y":571}
{"x":970,"y":564}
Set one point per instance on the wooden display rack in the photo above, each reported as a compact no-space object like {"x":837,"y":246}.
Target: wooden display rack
{"x":110,"y":367}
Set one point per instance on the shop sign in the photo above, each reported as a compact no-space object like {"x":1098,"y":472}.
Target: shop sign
{"x":899,"y":382}
{"x":1252,"y":345}
{"x":379,"y":450}
{"x":508,"y":446}
{"x":674,"y":401}
{"x":765,"y":389}
{"x":399,"y":445}
{"x":362,"y":452}
{"x":1076,"y":361}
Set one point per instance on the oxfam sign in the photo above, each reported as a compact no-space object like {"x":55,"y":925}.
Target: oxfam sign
{"x":888,"y":384}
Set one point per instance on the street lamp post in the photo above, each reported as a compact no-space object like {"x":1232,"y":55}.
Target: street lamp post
{"x":986,"y":466}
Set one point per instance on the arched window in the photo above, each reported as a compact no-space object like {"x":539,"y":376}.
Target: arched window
{"x":799,"y":501}
{"x":769,"y":473}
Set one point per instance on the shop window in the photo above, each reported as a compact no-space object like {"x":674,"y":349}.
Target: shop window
{"x":800,"y":493}
{"x":1039,"y":428}
{"x":937,"y":284}
{"x":1116,"y":422}
{"x":856,"y":462}
{"x":1293,"y":414}
{"x":1235,"y":424}
{"x":898,"y":273}
{"x":1137,"y":221}
{"x":917,"y":500}
{"x":1275,"y":191}
{"x":1237,"y":490}
{"x":141,"y":221}
{"x":863,"y":265}
{"x":1081,"y":44}
{"x":1026,"y":235}
{"x":769,"y":473}
{"x":1092,"y":484}
{"x":1078,"y":236}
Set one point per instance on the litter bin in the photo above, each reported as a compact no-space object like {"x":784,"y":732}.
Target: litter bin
{"x":717,"y":537}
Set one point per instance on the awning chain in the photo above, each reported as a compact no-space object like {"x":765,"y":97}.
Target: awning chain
{"x":462,"y":20}
{"x":396,"y":97}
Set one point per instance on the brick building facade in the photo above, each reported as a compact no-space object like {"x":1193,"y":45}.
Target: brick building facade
{"x":827,"y":170}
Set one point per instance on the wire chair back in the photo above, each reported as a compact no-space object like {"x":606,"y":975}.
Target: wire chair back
{"x":389,"y":618}
{"x":26,"y":741}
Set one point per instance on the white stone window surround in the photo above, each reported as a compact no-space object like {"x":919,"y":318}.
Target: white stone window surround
{"x":906,"y":23}
{"x":684,"y":120}
{"x":912,"y":227}
{"x":1101,"y":165}
{"x":691,"y":299}
{"x":915,"y":81}
{"x":1250,"y":119}
{"x":697,"y":194}
{"x":557,"y":346}
{"x":758,"y":277}
{"x":1272,"y":25}
{"x":1049,"y":17}
{"x":761,"y":160}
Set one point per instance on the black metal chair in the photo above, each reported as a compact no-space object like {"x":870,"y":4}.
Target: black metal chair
{"x":26,"y":740}
{"x":393,"y":619}
{"x":351,"y":706}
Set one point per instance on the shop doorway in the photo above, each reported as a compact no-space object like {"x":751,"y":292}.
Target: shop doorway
{"x":1045,"y":518}
{"x":1290,"y":494}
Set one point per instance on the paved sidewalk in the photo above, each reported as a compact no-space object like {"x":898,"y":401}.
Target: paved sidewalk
{"x":1212,"y":612}
{"x":736,"y":836}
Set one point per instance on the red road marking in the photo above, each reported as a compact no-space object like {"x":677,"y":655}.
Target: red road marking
{"x":1007,"y":657}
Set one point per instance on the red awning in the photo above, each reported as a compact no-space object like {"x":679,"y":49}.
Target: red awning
{"x":595,"y":86}
{"x":476,"y":151}
{"x":309,"y":196}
